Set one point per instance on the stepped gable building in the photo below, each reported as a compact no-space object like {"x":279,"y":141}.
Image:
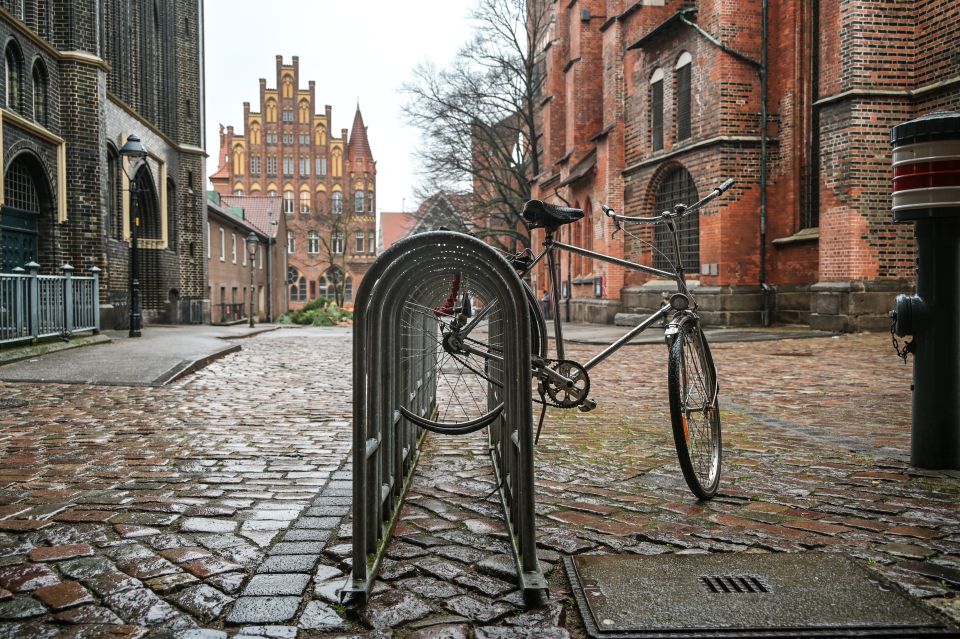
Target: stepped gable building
{"x":654,"y":102}
{"x":80,"y":77}
{"x":326,"y":183}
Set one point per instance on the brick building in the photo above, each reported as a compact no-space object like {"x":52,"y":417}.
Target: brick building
{"x":229,"y":269}
{"x":326,"y":184}
{"x":653,"y":102}
{"x":79,"y":78}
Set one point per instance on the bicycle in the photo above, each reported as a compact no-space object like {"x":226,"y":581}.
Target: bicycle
{"x":465,"y":330}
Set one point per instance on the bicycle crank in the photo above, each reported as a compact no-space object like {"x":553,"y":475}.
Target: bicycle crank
{"x":566,"y":384}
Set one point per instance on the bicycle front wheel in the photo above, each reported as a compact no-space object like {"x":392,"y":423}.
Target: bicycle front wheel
{"x":694,"y":409}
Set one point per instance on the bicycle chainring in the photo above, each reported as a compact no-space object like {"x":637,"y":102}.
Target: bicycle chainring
{"x":570,"y":395}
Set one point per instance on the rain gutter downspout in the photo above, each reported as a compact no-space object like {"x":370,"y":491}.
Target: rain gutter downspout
{"x":761,"y":68}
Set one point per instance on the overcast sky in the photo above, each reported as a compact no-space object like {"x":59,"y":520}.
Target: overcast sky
{"x":354,"y":50}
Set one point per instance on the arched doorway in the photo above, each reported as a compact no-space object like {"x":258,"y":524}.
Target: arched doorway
{"x":25,"y":216}
{"x":677,"y":187}
{"x":153,"y":288}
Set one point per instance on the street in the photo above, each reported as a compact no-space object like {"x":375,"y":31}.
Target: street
{"x":219,"y":501}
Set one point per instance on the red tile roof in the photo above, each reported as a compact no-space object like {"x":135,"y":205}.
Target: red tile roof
{"x":395,"y":227}
{"x":258,"y":210}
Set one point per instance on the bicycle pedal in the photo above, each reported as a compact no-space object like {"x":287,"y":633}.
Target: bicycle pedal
{"x":587,"y":406}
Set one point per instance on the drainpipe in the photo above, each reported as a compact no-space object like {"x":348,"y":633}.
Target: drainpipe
{"x":766,"y":291}
{"x":270,"y":242}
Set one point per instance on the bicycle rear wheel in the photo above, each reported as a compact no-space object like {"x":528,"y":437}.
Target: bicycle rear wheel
{"x":454,"y":329}
{"x":694,"y":409}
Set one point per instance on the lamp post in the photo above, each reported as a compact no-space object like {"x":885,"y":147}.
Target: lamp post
{"x":134,"y":152}
{"x":252,"y":243}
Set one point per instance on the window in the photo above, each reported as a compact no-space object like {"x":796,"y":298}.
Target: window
{"x":223,"y":246}
{"x":656,"y":110}
{"x":677,"y":187}
{"x":288,"y":115}
{"x":172,"y":215}
{"x":683,"y":96}
{"x":372,"y":242}
{"x":207,"y":238}
{"x":348,"y":289}
{"x":288,"y":138}
{"x":358,"y":201}
{"x":260,"y":257}
{"x":288,"y":166}
{"x":337,"y":203}
{"x":243,"y":253}
{"x":321,"y":166}
{"x":233,"y":247}
{"x":291,"y":243}
{"x":271,"y":138}
{"x":288,"y":201}
{"x":305,"y":139}
{"x":370,"y":201}
{"x":40,"y":93}
{"x":360,"y":243}
{"x":272,"y":165}
{"x":115,"y":193}
{"x":304,"y":202}
{"x":255,"y":165}
{"x":14,"y":63}
{"x":304,"y":167}
{"x":298,"y":285}
{"x":337,"y":157}
{"x":313,"y":243}
{"x":336,"y":243}
{"x":272,"y":193}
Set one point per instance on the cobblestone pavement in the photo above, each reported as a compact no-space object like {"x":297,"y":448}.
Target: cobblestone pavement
{"x":218,"y":502}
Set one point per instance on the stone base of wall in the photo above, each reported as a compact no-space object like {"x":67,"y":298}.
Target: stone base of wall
{"x":719,"y":305}
{"x":854,"y":306}
{"x":592,"y":311}
{"x":792,"y":305}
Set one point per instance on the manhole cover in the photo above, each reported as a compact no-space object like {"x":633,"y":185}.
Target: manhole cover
{"x":740,"y":595}
{"x":7,"y":404}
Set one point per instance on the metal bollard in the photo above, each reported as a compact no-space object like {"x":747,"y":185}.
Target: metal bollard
{"x":926,"y":191}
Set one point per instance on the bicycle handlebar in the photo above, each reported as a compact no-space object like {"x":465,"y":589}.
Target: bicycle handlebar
{"x":668,"y":214}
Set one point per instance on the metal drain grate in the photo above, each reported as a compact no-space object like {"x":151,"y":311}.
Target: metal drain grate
{"x":7,"y":404}
{"x":734,"y":584}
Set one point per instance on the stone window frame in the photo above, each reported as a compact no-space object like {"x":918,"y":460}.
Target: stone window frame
{"x":683,"y":96}
{"x":656,"y":115}
{"x":13,"y":69}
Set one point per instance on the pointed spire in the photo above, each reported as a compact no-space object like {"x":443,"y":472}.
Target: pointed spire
{"x":358,"y":149}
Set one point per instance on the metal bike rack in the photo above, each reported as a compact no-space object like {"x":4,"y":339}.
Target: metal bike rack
{"x":389,"y":374}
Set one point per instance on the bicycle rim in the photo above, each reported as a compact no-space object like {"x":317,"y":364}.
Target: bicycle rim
{"x":694,"y":410}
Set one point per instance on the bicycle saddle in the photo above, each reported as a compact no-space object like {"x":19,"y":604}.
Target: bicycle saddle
{"x":540,"y":214}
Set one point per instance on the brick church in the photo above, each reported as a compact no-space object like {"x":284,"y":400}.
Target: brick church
{"x":326,"y":182}
{"x":653,"y":102}
{"x":80,"y":77}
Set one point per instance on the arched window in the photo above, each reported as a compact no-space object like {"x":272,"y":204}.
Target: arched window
{"x":21,"y":213}
{"x":348,"y":289}
{"x":40,"y":92}
{"x":13,"y":59}
{"x":370,"y":201}
{"x":326,"y":289}
{"x":114,"y":193}
{"x":291,"y":243}
{"x":304,"y":202}
{"x":238,"y":159}
{"x":298,"y":285}
{"x":337,"y":160}
{"x":683,"y":91}
{"x":337,"y":203}
{"x":320,"y":136}
{"x":288,"y":201}
{"x":148,"y":206}
{"x":271,"y":110}
{"x":254,"y":132}
{"x":656,"y":110}
{"x":304,"y":112}
{"x":358,"y":236}
{"x":313,"y":243}
{"x":358,"y":201}
{"x":677,"y":187}
{"x":336,"y":243}
{"x":287,"y":83}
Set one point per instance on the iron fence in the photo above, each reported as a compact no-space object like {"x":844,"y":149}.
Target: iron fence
{"x":232,"y":312}
{"x":34,"y":306}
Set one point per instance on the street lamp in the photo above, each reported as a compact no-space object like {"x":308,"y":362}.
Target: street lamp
{"x":134,"y":152}
{"x":252,"y":243}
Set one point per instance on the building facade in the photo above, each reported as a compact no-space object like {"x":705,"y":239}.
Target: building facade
{"x":80,"y":77}
{"x":230,"y":268}
{"x":652,"y":103}
{"x":325,"y":183}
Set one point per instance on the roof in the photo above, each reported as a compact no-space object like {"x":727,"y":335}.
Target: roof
{"x":359,"y":146}
{"x":395,"y":226}
{"x":582,"y":167}
{"x":260,"y":211}
{"x":663,"y":27}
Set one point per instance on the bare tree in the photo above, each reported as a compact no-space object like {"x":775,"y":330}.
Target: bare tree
{"x":337,"y":226}
{"x":479,"y":117}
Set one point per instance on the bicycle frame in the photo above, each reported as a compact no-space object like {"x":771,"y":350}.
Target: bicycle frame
{"x":551,"y":245}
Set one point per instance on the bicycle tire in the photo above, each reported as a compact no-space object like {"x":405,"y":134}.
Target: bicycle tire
{"x":695,"y":409}
{"x":467,"y":374}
